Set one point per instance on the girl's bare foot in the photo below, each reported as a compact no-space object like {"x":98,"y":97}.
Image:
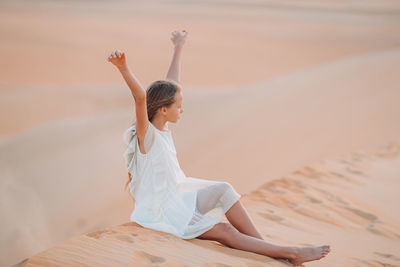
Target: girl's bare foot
{"x":304,"y":254}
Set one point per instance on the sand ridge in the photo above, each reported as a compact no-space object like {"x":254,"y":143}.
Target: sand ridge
{"x":324,"y":202}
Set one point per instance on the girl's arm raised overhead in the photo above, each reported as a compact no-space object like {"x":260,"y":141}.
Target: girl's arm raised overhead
{"x":178,"y":39}
{"x":118,"y":58}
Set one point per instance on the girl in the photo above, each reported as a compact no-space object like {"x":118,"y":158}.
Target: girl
{"x":165,"y":199}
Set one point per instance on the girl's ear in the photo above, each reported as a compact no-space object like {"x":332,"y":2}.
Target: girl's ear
{"x":163,"y":110}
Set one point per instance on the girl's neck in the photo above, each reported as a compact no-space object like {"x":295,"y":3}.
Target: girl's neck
{"x":159,"y":124}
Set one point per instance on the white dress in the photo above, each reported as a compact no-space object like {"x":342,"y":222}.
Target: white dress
{"x":165,"y":199}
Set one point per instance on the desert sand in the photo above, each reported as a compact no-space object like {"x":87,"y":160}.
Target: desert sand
{"x":349,"y":201}
{"x":297,"y":106}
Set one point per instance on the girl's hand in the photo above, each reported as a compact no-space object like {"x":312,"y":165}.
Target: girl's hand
{"x":118,"y":59}
{"x":178,"y":37}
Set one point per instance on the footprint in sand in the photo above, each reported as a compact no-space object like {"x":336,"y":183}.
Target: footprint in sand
{"x":385,"y":264}
{"x":142,"y":256}
{"x":128,"y":224}
{"x":125,"y":238}
{"x":358,"y":157}
{"x":355,"y":171}
{"x":313,"y":200}
{"x":271,"y":217}
{"x":273,"y":188}
{"x":310,"y":172}
{"x":100,"y":233}
{"x":365,"y":263}
{"x":341,"y":176}
{"x":366,"y":215}
{"x":388,"y":256}
{"x":331,"y":197}
{"x":371,"y":228}
{"x":163,"y":238}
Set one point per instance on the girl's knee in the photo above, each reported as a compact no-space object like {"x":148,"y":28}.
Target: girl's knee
{"x":229,"y":231}
{"x":226,"y":186}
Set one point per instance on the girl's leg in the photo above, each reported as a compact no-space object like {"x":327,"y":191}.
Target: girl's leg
{"x":228,"y":235}
{"x":240,"y":219}
{"x":208,"y":197}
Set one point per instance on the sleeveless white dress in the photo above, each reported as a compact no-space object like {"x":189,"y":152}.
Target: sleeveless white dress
{"x":165,"y":199}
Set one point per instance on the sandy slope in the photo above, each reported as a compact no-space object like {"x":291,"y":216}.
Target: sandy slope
{"x":347,"y":202}
{"x":279,"y":126}
{"x":291,"y":121}
{"x":267,"y":90}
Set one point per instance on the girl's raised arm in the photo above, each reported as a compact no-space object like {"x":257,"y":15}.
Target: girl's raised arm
{"x":118,"y":58}
{"x":178,"y":39}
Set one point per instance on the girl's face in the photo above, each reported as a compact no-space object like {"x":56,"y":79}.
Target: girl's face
{"x":175,"y":110}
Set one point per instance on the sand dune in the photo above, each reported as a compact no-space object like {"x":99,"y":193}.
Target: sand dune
{"x":270,"y":88}
{"x":66,"y":43}
{"x":280,"y":126}
{"x":329,"y":201}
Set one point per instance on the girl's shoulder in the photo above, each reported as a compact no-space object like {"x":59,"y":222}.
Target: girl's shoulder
{"x":153,"y":139}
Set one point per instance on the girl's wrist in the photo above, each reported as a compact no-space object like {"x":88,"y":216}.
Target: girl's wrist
{"x":123,"y":68}
{"x":178,"y":47}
